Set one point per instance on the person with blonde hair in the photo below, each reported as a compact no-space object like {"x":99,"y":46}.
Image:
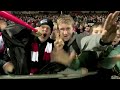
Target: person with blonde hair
{"x":69,"y":44}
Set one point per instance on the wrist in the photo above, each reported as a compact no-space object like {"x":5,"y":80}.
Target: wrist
{"x":102,"y":42}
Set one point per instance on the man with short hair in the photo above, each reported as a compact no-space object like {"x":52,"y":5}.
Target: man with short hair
{"x":67,"y":51}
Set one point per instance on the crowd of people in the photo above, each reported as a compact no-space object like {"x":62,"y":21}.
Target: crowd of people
{"x":75,"y":41}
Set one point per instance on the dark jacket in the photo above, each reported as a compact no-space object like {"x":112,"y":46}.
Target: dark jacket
{"x":18,"y":46}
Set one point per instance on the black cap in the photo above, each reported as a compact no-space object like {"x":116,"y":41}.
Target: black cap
{"x":47,"y":22}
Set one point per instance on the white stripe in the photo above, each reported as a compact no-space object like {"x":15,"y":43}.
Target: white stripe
{"x":34,"y":56}
{"x":48,"y":48}
{"x":1,"y":42}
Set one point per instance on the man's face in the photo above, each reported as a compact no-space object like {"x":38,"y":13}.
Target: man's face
{"x":117,"y":38}
{"x":46,"y":31}
{"x":66,"y":30}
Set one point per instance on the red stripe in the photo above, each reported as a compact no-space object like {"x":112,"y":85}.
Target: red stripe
{"x":0,"y":33}
{"x":34,"y":47}
{"x":34,"y":70}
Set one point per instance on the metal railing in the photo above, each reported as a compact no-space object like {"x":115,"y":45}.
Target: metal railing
{"x":46,"y":76}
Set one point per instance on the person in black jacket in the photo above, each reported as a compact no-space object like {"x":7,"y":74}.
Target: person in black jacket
{"x":28,"y":51}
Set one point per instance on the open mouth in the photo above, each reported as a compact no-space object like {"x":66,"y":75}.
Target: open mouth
{"x":44,"y":35}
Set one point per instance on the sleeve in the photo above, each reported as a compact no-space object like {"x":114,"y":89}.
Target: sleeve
{"x":109,"y":62}
{"x":91,"y":42}
{"x":75,"y":64}
{"x":78,"y":39}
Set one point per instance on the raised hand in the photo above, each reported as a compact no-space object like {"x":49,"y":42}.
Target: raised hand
{"x":59,"y":43}
{"x":59,"y":55}
{"x":109,"y":27}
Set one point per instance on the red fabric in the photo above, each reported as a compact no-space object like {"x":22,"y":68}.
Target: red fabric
{"x":46,"y":56}
{"x":34,"y":70}
{"x":0,"y":33}
{"x":35,"y":47}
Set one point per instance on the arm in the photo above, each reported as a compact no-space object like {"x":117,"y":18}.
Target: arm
{"x":107,"y":36}
{"x":111,"y":60}
{"x":117,"y":57}
{"x":109,"y":28}
{"x":115,"y":54}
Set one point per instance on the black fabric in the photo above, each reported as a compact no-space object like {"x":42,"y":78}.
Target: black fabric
{"x":88,"y":59}
{"x":66,"y":47}
{"x":47,"y":22}
{"x":102,"y":74}
{"x":102,"y":43}
{"x":105,"y":53}
{"x":18,"y":48}
{"x":3,"y":59}
{"x":75,"y":47}
{"x":52,"y":68}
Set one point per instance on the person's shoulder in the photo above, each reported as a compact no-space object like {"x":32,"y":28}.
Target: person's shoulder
{"x":81,"y":35}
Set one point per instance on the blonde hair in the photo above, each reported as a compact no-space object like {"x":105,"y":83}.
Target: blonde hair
{"x":67,"y":19}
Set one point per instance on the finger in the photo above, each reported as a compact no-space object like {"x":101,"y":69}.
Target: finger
{"x":115,"y":16}
{"x":107,"y":21}
{"x":61,"y":42}
{"x":56,"y":42}
{"x":57,"y":34}
{"x":61,"y":36}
